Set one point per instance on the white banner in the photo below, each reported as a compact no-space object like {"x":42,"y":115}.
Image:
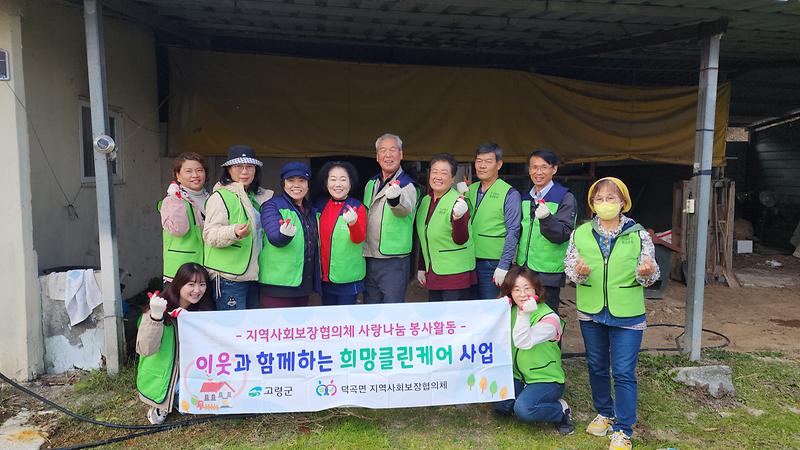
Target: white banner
{"x":374,"y":356}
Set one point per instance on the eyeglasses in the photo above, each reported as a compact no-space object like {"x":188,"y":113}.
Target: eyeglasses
{"x":606,"y":199}
{"x":243,"y":167}
{"x":541,"y":169}
{"x":384,"y":150}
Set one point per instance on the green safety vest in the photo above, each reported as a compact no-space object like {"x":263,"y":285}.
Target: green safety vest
{"x":488,"y":219}
{"x":179,"y":250}
{"x":542,"y":362}
{"x":615,"y":285}
{"x":535,"y":250}
{"x":347,"y":263}
{"x":396,"y":232}
{"x":235,"y":258}
{"x":442,"y":255}
{"x":154,"y":372}
{"x":285,"y":263}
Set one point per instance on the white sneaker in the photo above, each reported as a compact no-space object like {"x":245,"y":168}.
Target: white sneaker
{"x":156,"y":416}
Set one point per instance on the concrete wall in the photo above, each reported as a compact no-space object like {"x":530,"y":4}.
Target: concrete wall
{"x":56,"y":81}
{"x":21,"y":349}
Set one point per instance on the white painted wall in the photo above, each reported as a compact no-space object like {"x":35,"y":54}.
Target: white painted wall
{"x":56,"y":80}
{"x":22,"y":347}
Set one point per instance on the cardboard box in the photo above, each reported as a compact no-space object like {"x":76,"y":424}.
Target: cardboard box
{"x":744,"y":247}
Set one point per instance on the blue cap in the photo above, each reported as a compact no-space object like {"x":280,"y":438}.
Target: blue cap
{"x":295,"y":169}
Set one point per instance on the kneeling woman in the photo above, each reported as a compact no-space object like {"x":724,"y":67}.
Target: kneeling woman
{"x":157,"y":339}
{"x":538,"y":375}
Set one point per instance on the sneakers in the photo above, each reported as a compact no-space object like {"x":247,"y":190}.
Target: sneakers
{"x":156,"y":416}
{"x":566,"y":426}
{"x":600,"y":425}
{"x":619,"y":441}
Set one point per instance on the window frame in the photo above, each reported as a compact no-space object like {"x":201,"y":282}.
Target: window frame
{"x":115,"y":114}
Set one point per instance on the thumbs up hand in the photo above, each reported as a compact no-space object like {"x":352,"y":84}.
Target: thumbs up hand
{"x":460,"y":208}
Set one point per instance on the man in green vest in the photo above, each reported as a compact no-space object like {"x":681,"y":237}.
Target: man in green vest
{"x":548,"y":218}
{"x":390,"y":198}
{"x":495,"y":216}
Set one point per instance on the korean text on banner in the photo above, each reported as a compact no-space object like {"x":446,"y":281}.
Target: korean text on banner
{"x":374,"y":356}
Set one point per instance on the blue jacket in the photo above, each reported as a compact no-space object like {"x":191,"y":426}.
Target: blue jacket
{"x":270,"y":217}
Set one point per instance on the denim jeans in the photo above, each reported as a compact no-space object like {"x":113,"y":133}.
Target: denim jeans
{"x":553,"y":297}
{"x":616,"y":349}
{"x":236,"y":294}
{"x":484,"y":269}
{"x":536,"y":402}
{"x":332,"y":299}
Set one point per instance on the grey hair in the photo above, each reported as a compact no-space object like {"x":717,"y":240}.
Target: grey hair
{"x":490,"y":147}
{"x":387,"y":136}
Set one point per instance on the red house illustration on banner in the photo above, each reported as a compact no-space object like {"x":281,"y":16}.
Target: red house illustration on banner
{"x":214,"y":392}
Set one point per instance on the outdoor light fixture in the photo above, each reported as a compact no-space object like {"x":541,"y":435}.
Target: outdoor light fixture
{"x":5,"y":71}
{"x":104,"y":144}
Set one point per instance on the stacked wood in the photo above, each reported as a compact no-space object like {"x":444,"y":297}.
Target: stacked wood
{"x":719,"y":255}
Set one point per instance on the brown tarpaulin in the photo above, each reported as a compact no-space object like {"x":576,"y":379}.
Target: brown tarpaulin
{"x":291,"y":106}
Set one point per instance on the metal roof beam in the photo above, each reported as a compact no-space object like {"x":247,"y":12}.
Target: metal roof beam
{"x":622,"y":9}
{"x":691,"y":32}
{"x":151,"y":17}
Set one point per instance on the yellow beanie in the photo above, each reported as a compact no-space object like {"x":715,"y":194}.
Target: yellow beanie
{"x":622,"y":188}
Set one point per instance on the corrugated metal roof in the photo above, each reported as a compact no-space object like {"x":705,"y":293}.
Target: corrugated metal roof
{"x":500,"y":33}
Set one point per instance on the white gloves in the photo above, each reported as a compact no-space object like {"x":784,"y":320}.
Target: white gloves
{"x":393,"y":189}
{"x":350,"y":216}
{"x":499,"y":276}
{"x":462,"y":187}
{"x":157,"y":306}
{"x":529,"y":306}
{"x":287,"y":228}
{"x":421,"y":277}
{"x":174,"y":190}
{"x":460,"y":208}
{"x":541,"y":211}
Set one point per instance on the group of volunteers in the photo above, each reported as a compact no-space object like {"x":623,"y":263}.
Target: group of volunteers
{"x":245,"y":247}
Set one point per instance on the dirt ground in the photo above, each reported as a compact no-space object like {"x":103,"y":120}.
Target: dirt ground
{"x":754,"y":318}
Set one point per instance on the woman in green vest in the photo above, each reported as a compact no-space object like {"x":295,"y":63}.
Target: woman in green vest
{"x":342,"y":221}
{"x":232,"y":232}
{"x":447,"y":266}
{"x":611,"y":261}
{"x":289,"y":264}
{"x":183,"y":213}
{"x":157,"y":338}
{"x":538,"y":375}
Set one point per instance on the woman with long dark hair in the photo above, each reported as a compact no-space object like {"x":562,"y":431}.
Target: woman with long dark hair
{"x":157,"y":339}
